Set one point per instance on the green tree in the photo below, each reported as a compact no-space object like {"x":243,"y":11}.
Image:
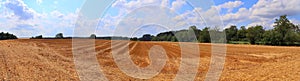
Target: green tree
{"x":5,"y":36}
{"x":271,"y":37}
{"x":174,"y":39}
{"x":255,"y":34}
{"x":93,"y":36}
{"x":38,"y":37}
{"x":59,"y":36}
{"x":231,"y":33}
{"x":146,"y":37}
{"x":241,"y":34}
{"x":291,"y":38}
{"x":205,"y":36}
{"x":136,"y":39}
{"x":285,"y":28}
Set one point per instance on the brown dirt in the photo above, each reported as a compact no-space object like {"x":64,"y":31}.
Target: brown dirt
{"x":44,"y":60}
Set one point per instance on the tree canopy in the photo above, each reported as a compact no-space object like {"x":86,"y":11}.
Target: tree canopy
{"x":284,"y":33}
{"x":5,"y":36}
{"x":59,"y":36}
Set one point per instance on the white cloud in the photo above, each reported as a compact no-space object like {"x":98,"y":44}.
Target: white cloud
{"x":230,"y":5}
{"x":273,"y":8}
{"x":176,"y":5}
{"x":20,"y":9}
{"x":264,"y":12}
{"x":23,"y":21}
{"x":165,"y":3}
{"x":241,"y":15}
{"x":132,"y":5}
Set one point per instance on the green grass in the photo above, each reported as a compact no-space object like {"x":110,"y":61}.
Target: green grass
{"x":239,"y":42}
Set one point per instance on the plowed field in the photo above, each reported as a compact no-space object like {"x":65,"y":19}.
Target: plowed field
{"x":49,"y":60}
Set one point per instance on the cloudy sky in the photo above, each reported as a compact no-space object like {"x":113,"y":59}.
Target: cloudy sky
{"x":27,"y":18}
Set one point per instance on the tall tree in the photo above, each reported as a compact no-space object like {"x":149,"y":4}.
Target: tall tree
{"x":285,"y":28}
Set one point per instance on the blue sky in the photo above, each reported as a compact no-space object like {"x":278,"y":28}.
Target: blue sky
{"x":27,"y":18}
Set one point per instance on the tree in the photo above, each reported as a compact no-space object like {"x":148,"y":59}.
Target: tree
{"x":255,"y":34}
{"x":146,"y":37}
{"x":196,"y":30}
{"x":231,"y":33}
{"x":38,"y":37}
{"x":205,"y":36}
{"x":5,"y":36}
{"x":285,"y":28}
{"x":241,"y":34}
{"x":59,"y":36}
{"x":174,"y":39}
{"x":192,"y":34}
{"x":271,"y":37}
{"x":93,"y":36}
{"x":134,"y":39}
{"x":291,"y":38}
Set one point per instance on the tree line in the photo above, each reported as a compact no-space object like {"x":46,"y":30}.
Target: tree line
{"x":283,"y":33}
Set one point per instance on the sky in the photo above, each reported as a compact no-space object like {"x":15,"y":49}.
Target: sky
{"x":27,"y":18}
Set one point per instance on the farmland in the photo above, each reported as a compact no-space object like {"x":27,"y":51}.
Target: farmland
{"x":40,"y":59}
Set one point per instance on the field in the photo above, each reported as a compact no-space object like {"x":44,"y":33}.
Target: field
{"x":44,"y":60}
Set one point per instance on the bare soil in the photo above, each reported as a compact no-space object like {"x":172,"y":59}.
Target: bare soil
{"x":49,"y":60}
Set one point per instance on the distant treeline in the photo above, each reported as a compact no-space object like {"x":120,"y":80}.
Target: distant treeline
{"x":93,"y":36}
{"x":283,"y":33}
{"x":5,"y":36}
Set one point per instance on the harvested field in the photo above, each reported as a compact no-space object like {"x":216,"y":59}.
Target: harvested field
{"x":44,"y":60}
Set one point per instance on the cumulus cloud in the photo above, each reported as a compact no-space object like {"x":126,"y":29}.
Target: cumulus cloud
{"x":230,"y":5}
{"x":132,"y":5}
{"x":18,"y":16}
{"x":23,"y":21}
{"x":20,"y":9}
{"x":273,"y":8}
{"x":165,"y":3}
{"x":262,"y":13}
{"x":241,"y":15}
{"x":265,"y":11}
{"x":176,"y":5}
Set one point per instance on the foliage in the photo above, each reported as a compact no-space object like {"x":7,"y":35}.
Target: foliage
{"x":5,"y":36}
{"x":231,"y":33}
{"x":93,"y":36}
{"x":287,"y":30}
{"x":241,"y":34}
{"x":146,"y":37}
{"x":205,"y":36}
{"x":255,"y":34}
{"x":284,"y":33}
{"x":59,"y":36}
{"x":37,"y":37}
